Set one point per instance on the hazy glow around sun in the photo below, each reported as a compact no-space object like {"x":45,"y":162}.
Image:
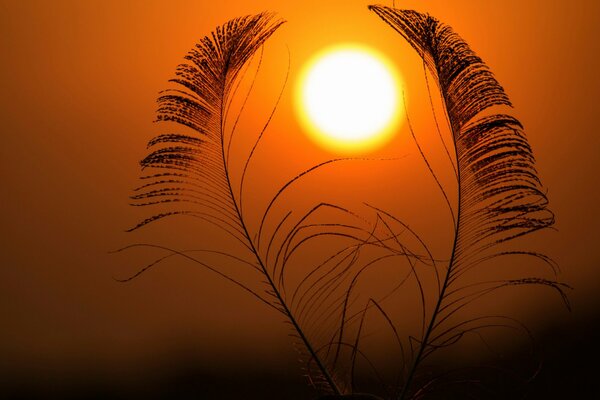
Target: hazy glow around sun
{"x":348,"y":98}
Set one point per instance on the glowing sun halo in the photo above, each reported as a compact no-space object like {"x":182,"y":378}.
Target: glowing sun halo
{"x":347,"y":97}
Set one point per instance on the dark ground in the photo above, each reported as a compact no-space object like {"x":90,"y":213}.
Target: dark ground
{"x":570,"y":371}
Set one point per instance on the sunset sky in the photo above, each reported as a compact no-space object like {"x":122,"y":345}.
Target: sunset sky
{"x":79,"y":84}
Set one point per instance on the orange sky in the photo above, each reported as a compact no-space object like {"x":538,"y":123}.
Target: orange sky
{"x":79,"y":82}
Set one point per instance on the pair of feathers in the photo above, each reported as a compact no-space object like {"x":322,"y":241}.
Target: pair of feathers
{"x":500,"y":198}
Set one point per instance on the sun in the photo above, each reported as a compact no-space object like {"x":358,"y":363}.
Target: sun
{"x":348,"y":99}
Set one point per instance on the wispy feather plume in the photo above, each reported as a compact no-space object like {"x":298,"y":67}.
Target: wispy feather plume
{"x":500,"y":197}
{"x":192,"y":177}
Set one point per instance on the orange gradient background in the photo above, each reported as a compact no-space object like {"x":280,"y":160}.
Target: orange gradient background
{"x":77,"y":101}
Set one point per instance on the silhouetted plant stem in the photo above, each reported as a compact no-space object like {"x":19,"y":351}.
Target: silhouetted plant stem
{"x":436,"y":310}
{"x":438,"y":304}
{"x":276,"y":291}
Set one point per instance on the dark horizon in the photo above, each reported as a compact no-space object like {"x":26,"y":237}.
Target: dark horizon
{"x":564,"y":373}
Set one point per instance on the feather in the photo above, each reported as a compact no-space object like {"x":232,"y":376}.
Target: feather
{"x":192,"y":171}
{"x":500,"y":197}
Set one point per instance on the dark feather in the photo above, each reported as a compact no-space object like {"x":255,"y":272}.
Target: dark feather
{"x":500,"y":197}
{"x":197,"y":175}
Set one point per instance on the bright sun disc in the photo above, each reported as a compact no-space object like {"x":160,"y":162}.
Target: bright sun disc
{"x":348,"y":98}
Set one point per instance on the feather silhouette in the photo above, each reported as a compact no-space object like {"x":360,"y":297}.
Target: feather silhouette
{"x":198,"y":169}
{"x":500,"y":197}
{"x":193,"y":171}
